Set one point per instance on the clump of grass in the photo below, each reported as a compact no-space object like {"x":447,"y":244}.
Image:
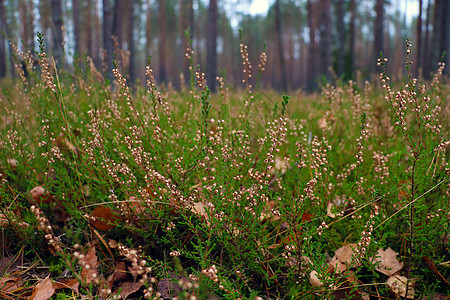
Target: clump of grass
{"x":192,"y":194}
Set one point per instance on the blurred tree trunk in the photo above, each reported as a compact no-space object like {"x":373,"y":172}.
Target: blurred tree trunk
{"x":162,"y":41}
{"x":191,"y":18}
{"x":418,"y":62}
{"x":280,"y":47}
{"x":27,"y":21}
{"x":3,"y":39}
{"x":118,"y":21}
{"x":107,"y":36}
{"x":211,"y":46}
{"x":442,"y":26}
{"x":325,"y":38}
{"x":311,"y":47}
{"x":350,"y":60}
{"x":131,"y":48}
{"x":57,"y":17}
{"x":76,"y":26}
{"x":426,"y":52}
{"x":148,"y":30}
{"x":340,"y":32}
{"x":378,"y":43}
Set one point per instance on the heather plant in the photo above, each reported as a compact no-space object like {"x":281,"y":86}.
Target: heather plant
{"x":109,"y":192}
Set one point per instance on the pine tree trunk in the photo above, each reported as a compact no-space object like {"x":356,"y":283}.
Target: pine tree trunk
{"x":3,"y":40}
{"x":131,"y":48}
{"x":350,"y":60}
{"x":418,"y":61}
{"x":311,"y":47}
{"x":57,"y":17}
{"x":378,"y":45}
{"x":340,"y":43}
{"x":118,"y":21}
{"x":76,"y":26}
{"x":107,"y":36}
{"x":211,"y":46}
{"x":325,"y":38}
{"x":162,"y":41}
{"x":148,"y":30}
{"x":426,"y":52}
{"x":280,"y":45}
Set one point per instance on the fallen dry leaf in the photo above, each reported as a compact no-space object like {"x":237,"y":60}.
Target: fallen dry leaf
{"x":103,"y":218}
{"x":87,"y":273}
{"x":67,"y":283}
{"x":43,"y":290}
{"x":8,"y":263}
{"x":12,"y":162}
{"x":10,"y":283}
{"x":169,"y":287}
{"x":120,"y":275}
{"x":387,"y":262}
{"x":314,"y":279}
{"x":339,"y":267}
{"x":346,"y":288}
{"x":329,"y":213}
{"x":397,"y":283}
{"x":128,"y":288}
{"x":433,"y":268}
{"x":345,"y":255}
{"x":40,"y":195}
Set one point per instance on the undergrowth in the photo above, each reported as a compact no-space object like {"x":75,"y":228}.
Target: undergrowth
{"x":150,"y":192}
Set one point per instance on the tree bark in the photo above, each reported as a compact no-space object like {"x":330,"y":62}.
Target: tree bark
{"x":280,"y":48}
{"x":27,"y":20}
{"x":57,"y":18}
{"x":419,"y":39}
{"x":340,"y":43}
{"x":426,"y":52}
{"x":118,"y":21}
{"x":311,"y":47}
{"x":162,"y":41}
{"x":3,"y":40}
{"x":107,"y":36}
{"x":131,"y":48}
{"x":211,"y":46}
{"x":76,"y":26}
{"x":378,"y":44}
{"x":148,"y":30}
{"x":325,"y":39}
{"x":350,"y":61}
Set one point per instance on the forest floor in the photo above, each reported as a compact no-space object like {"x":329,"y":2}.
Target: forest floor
{"x":108,"y":192}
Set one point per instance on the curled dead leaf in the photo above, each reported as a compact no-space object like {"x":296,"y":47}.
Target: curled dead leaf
{"x":67,"y":283}
{"x":40,"y":195}
{"x":314,"y":279}
{"x":103,"y":218}
{"x":90,"y":265}
{"x":399,"y":284}
{"x":12,"y":162}
{"x":346,"y":255}
{"x":43,"y":290}
{"x":387,"y":262}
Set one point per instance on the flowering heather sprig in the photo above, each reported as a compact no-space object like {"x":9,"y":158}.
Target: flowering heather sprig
{"x":247,"y":70}
{"x":364,"y":135}
{"x":45,"y":226}
{"x":380,"y":167}
{"x":211,"y":273}
{"x":138,"y":264}
{"x":125,"y":90}
{"x":201,"y":81}
{"x":151,"y":85}
{"x":366,"y":236}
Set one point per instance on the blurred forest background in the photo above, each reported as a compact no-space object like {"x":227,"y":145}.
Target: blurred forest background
{"x":307,"y":41}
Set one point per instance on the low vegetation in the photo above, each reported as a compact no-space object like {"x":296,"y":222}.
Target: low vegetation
{"x":109,"y":191}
